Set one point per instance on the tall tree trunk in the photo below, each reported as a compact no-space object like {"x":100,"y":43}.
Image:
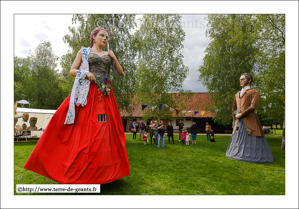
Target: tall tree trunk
{"x":283,"y":137}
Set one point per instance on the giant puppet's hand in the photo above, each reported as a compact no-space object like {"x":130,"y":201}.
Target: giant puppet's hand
{"x":239,"y":115}
{"x":91,"y":77}
{"x":111,"y":54}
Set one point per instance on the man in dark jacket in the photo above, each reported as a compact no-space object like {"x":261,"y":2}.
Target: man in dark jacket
{"x":161,"y":130}
{"x":170,"y":132}
{"x":194,"y":132}
{"x":181,"y":126}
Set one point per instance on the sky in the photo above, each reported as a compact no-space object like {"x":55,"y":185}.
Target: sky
{"x":194,"y":46}
{"x":31,"y":30}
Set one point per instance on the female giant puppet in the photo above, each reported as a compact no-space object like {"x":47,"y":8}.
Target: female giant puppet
{"x":84,"y":143}
{"x":248,"y":142}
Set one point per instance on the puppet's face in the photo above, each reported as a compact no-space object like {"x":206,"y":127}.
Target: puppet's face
{"x":32,"y":122}
{"x":242,"y":81}
{"x":101,"y":38}
{"x":25,"y":117}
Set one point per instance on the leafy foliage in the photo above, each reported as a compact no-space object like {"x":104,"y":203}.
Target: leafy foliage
{"x":37,"y":80}
{"x":22,"y":78}
{"x":245,"y":43}
{"x":158,"y":43}
{"x":270,"y":39}
{"x":230,"y":53}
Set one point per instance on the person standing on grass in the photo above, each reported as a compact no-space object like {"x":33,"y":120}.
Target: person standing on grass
{"x":212,"y":136}
{"x":170,"y":132}
{"x":181,"y":126}
{"x":161,"y":135}
{"x":187,"y":137}
{"x":145,"y":138}
{"x":156,"y":133}
{"x":134,"y":129}
{"x":194,"y":132}
{"x":151,"y":131}
{"x":142,"y":127}
{"x":183,"y":137}
{"x":137,"y":128}
{"x":130,"y":126}
{"x":208,"y":129}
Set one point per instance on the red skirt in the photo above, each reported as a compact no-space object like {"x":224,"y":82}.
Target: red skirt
{"x":86,"y":152}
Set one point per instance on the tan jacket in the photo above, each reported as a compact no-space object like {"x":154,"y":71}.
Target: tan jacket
{"x":208,"y":128}
{"x":247,"y":104}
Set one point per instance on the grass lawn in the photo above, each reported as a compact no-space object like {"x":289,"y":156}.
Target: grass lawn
{"x":200,"y":169}
{"x":277,"y":131}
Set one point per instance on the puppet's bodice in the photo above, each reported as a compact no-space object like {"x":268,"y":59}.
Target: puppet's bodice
{"x":99,"y":66}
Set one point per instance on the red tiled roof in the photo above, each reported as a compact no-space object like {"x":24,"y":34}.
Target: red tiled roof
{"x":196,"y":103}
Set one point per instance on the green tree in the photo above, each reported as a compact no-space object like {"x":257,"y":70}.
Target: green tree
{"x":121,"y":27}
{"x":230,"y":53}
{"x":269,"y":34}
{"x":22,"y":78}
{"x":158,"y":42}
{"x":44,"y":90}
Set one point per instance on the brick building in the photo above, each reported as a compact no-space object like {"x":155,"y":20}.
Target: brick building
{"x":196,"y":103}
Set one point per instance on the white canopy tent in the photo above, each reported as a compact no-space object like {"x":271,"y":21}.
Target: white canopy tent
{"x":23,"y":102}
{"x":30,"y":110}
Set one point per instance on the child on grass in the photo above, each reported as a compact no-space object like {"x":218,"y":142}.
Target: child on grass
{"x":187,"y":137}
{"x":145,"y":138}
{"x":183,"y":137}
{"x":212,"y":136}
